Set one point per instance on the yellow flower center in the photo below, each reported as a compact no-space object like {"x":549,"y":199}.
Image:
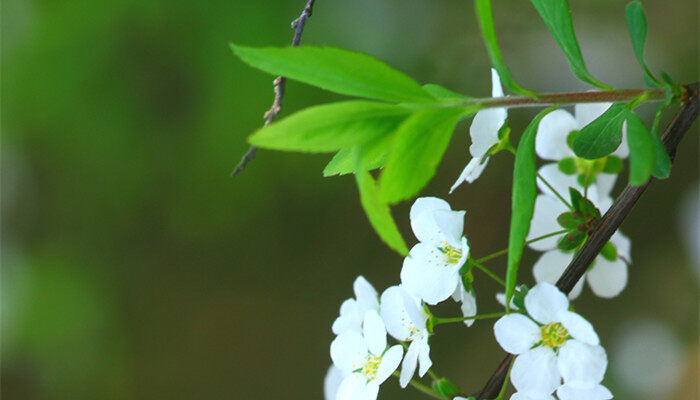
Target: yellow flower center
{"x":452,"y":254}
{"x":369,"y":370}
{"x":554,"y":335}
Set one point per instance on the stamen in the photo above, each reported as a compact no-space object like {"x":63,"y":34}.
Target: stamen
{"x":554,"y":335}
{"x":452,"y":254}
{"x":369,"y":370}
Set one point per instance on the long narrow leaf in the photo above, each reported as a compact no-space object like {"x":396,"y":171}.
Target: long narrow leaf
{"x":378,"y":213}
{"x":338,"y":70}
{"x":523,"y":201}
{"x":637,"y":26}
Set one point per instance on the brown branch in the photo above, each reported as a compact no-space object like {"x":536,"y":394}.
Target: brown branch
{"x":279,"y":84}
{"x":610,"y":222}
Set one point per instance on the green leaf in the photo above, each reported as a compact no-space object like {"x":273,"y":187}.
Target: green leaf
{"x":331,"y":127}
{"x":419,"y":145}
{"x":571,"y":240}
{"x":442,"y":93}
{"x":523,"y":201}
{"x":343,"y":162}
{"x":568,"y":166}
{"x":557,"y":16}
{"x":602,"y":136}
{"x":576,"y":198}
{"x":445,"y":388}
{"x":568,"y":220}
{"x":662,"y":163}
{"x":484,"y":14}
{"x":642,"y":152}
{"x":378,"y":213}
{"x":637,"y":26}
{"x":609,"y":252}
{"x":338,"y":70}
{"x":613,"y":165}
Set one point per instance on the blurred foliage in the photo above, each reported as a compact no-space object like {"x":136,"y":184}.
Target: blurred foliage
{"x":133,"y":267}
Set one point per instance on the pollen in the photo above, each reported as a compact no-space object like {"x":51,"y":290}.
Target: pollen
{"x":452,"y":254}
{"x":554,"y":335}
{"x":369,"y":370}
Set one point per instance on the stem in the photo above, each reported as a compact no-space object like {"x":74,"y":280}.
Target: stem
{"x":554,"y":191}
{"x":505,"y":251}
{"x":433,"y":375}
{"x":505,"y":383}
{"x":438,"y":321}
{"x":421,"y":387}
{"x":490,"y":273}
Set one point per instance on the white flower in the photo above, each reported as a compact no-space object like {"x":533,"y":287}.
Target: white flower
{"x":405,"y":321}
{"x":593,"y":392}
{"x":468,"y":300}
{"x":352,"y":311}
{"x":331,"y":382}
{"x":560,"y":344}
{"x":524,"y":396}
{"x":431,"y":270}
{"x":365,"y":359}
{"x":484,"y":133}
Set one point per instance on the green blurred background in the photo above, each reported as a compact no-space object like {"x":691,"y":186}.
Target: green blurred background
{"x":134,"y":267}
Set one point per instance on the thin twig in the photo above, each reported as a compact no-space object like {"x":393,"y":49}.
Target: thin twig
{"x":279,"y":84}
{"x":608,"y":224}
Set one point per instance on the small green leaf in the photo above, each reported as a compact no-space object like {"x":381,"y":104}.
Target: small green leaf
{"x":571,"y":240}
{"x":445,"y":388}
{"x":343,"y":162}
{"x":613,"y":165}
{"x":331,"y":127}
{"x":519,"y":297}
{"x":662,"y":163}
{"x":642,"y":152}
{"x":609,"y":252}
{"x":378,"y":213}
{"x":568,"y":220}
{"x":637,"y":26}
{"x":484,"y":14}
{"x":602,"y":136}
{"x":337,"y":70}
{"x":523,"y":201}
{"x":557,"y":16}
{"x":588,"y":209}
{"x":568,"y":166}
{"x":576,"y":198}
{"x":419,"y":145}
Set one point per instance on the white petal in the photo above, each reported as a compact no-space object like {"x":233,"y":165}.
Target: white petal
{"x":623,"y":151}
{"x":374,"y":332}
{"x":560,"y":181}
{"x":397,"y":321}
{"x":424,"y":355}
{"x":525,"y":396}
{"x":544,"y":222}
{"x":496,"y":88}
{"x":423,"y":204}
{"x":623,"y":244}
{"x":549,"y":267}
{"x":331,"y":382}
{"x":607,"y":278}
{"x":535,"y":372}
{"x":366,"y":295}
{"x":390,"y":361}
{"x":409,"y":364}
{"x":587,"y":112}
{"x":580,"y":364}
{"x":484,"y":130}
{"x":370,"y":391}
{"x":501,"y":299}
{"x":471,"y":171}
{"x":554,"y":129}
{"x":348,"y":351}
{"x":349,"y":319}
{"x":438,"y":227}
{"x":352,"y":387}
{"x":597,"y":392}
{"x":468,"y":306}
{"x":416,"y":315}
{"x":516,"y":333}
{"x":544,"y":301}
{"x":579,"y":328}
{"x":428,"y":275}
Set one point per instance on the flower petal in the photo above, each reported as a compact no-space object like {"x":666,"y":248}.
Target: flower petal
{"x":423,"y":204}
{"x":587,"y":112}
{"x":349,"y":318}
{"x":580,"y":364}
{"x":623,"y":244}
{"x":413,"y":308}
{"x":366,"y":295}
{"x":424,"y":355}
{"x":597,"y":392}
{"x":484,"y":130}
{"x":496,"y":88}
{"x":471,"y":171}
{"x":544,"y":301}
{"x":348,"y":351}
{"x":374,"y":332}
{"x":560,"y":181}
{"x":579,"y":328}
{"x":438,"y":227}
{"x":409,"y":364}
{"x":544,"y":222}
{"x":352,"y":387}
{"x":516,"y":333}
{"x":331,"y":382}
{"x":526,"y":396}
{"x":607,"y":278}
{"x":390,"y":361}
{"x":397,"y":321}
{"x":554,"y":129}
{"x":468,"y":305}
{"x":427,"y":274}
{"x":535,"y":372}
{"x":550,"y":266}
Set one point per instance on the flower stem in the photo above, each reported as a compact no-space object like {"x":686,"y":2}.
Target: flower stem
{"x":505,"y":251}
{"x":438,"y":321}
{"x":489,"y":273}
{"x":421,"y":387}
{"x":555,"y":191}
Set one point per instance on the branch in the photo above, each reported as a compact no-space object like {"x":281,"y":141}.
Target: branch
{"x":609,"y":223}
{"x":279,"y":83}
